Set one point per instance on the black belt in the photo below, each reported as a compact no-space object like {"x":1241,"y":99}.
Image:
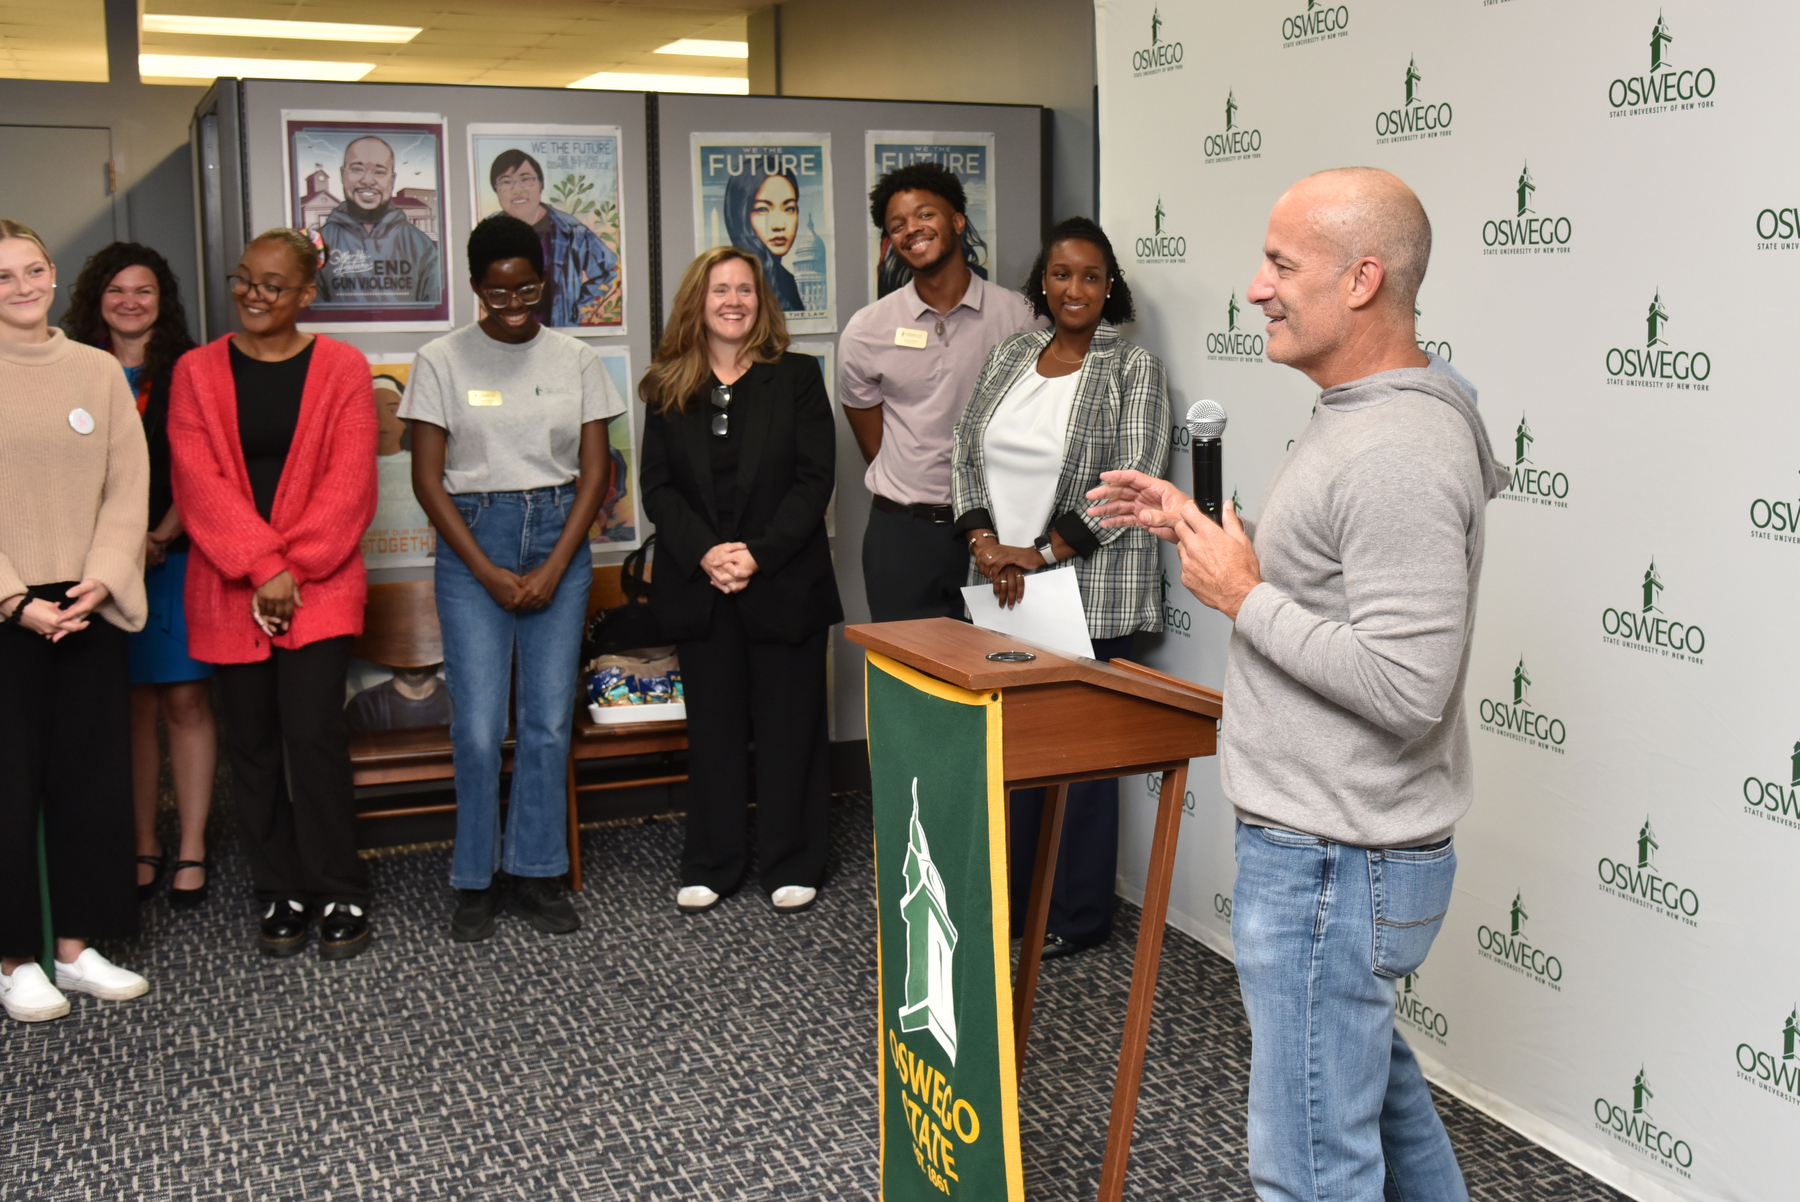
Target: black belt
{"x":941,"y":514}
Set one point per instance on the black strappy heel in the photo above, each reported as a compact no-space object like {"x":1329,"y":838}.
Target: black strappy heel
{"x":156,"y":862}
{"x":187,"y":899}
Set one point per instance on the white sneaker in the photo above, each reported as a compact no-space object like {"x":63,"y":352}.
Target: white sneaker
{"x":791,"y":899}
{"x":695,"y":899}
{"x":30,"y":997}
{"x":95,"y":974}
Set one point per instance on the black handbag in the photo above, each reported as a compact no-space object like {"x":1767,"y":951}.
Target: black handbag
{"x":632,"y":625}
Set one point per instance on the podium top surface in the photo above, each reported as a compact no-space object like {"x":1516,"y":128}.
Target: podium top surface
{"x":956,"y":652}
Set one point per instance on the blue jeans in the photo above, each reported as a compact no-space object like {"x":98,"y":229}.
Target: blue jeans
{"x":1339,"y":1111}
{"x":517,"y":531}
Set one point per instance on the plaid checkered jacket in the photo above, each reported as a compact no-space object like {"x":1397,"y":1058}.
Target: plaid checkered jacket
{"x":1119,"y":419}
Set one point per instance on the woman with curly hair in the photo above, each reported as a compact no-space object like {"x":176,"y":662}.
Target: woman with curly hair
{"x":126,"y":301}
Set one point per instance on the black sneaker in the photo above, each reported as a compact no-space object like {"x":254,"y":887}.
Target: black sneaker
{"x":283,"y":929}
{"x":540,"y":901}
{"x":474,"y":917}
{"x":343,"y":931}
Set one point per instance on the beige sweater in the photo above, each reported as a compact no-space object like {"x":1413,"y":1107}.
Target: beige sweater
{"x":73,"y":506}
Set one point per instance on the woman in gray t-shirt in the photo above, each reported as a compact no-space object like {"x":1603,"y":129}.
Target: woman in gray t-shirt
{"x":511,"y":464}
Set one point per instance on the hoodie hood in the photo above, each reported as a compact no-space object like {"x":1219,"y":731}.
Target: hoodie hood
{"x":1437,"y":379}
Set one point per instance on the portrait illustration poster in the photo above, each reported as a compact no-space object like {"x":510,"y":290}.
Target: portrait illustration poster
{"x":969,"y":157}
{"x":770,"y":194}
{"x":372,"y":186}
{"x":617,"y":527}
{"x":564,"y":182}
{"x":400,"y":536}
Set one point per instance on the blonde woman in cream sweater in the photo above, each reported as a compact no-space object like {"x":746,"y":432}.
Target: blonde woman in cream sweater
{"x":74,"y":500}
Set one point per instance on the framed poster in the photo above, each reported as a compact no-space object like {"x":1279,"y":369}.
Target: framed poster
{"x":770,"y":194}
{"x":564,"y":182}
{"x":618,"y":527}
{"x":400,"y":536}
{"x":969,"y":157}
{"x":372,"y":186}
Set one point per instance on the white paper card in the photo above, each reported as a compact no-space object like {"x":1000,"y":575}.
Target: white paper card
{"x":1049,"y":614}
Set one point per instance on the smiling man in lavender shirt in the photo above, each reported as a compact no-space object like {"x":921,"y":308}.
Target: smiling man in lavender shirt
{"x":907,"y":364}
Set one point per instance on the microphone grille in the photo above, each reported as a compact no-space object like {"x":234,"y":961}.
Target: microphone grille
{"x":1206,"y":419}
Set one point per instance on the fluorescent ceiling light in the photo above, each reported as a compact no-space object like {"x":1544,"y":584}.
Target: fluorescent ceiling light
{"x":706,"y":47}
{"x":246,"y":27}
{"x":620,"y":81}
{"x":196,"y":66}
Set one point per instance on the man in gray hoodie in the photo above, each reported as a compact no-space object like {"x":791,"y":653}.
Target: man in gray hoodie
{"x":1344,"y":746}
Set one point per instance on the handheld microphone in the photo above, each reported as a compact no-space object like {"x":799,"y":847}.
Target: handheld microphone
{"x":1206,"y":426}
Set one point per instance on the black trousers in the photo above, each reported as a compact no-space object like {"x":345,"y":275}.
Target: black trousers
{"x":1087,"y":861}
{"x":288,"y":743}
{"x":65,"y":749}
{"x":913,"y":568}
{"x":736,"y":688}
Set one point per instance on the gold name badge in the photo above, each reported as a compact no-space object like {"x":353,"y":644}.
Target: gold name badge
{"x":483,"y":397}
{"x":912,"y":338}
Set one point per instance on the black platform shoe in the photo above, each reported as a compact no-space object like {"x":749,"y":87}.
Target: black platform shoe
{"x":283,"y":930}
{"x":187,"y":899}
{"x":343,"y":931}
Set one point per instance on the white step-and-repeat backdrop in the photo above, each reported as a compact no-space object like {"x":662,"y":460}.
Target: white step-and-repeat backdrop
{"x":1613,"y":190}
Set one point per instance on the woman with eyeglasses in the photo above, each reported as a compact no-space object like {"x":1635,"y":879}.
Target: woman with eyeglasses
{"x":510,"y":463}
{"x":272,"y":438}
{"x":739,"y":459}
{"x":74,"y":500}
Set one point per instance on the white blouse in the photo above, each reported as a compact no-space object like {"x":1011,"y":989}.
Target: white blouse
{"x":1022,"y":448}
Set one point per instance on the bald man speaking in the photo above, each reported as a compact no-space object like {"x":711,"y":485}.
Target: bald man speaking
{"x":1344,"y":747}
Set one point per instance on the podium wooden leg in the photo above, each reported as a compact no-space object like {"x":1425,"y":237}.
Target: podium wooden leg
{"x":1037,"y":916}
{"x":1143,"y":984}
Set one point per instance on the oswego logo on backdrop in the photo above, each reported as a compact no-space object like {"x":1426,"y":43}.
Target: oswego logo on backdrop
{"x":1232,"y":345}
{"x":1159,"y":56}
{"x":1508,"y":944}
{"x":1776,"y":520}
{"x":1771,"y":799}
{"x":1236,"y":142}
{"x":1518,"y":720}
{"x":1646,"y":629}
{"x":1153,"y":786}
{"x":1776,"y":1072}
{"x":1657,"y":364}
{"x":1321,"y":22}
{"x":1176,"y":620}
{"x":1526,"y":232}
{"x":1665,"y":88}
{"x":1644,"y":884}
{"x":1778,"y":229}
{"x":1415,"y":118}
{"x":1635,"y":1127}
{"x":1418,"y":1014}
{"x":1430,"y":346}
{"x":1161,"y":246}
{"x":1531,"y":483}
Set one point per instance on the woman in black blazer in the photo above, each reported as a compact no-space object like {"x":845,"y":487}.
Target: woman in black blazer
{"x":739,"y":459}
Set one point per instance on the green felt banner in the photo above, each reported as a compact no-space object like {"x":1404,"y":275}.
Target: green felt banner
{"x":949,"y":1083}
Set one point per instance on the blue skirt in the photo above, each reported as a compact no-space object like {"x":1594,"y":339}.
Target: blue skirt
{"x":159,"y":652}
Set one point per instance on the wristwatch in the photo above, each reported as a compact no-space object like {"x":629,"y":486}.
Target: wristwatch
{"x":1045,"y":549}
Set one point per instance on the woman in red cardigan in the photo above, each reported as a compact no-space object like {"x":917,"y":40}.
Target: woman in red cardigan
{"x":272,"y":438}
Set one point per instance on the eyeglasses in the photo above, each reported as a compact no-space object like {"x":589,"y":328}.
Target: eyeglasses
{"x":499,"y":298}
{"x":721,"y":400}
{"x":270,"y":292}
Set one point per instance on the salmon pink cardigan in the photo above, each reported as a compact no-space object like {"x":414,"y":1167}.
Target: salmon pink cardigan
{"x":325,"y":501}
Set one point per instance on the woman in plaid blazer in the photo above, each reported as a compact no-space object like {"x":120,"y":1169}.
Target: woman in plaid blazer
{"x":1051,"y":410}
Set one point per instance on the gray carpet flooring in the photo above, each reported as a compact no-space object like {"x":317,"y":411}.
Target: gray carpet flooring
{"x":648,"y":1056}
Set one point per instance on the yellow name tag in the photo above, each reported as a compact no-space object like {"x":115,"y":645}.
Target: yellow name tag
{"x":912,"y":338}
{"x":479,"y":396}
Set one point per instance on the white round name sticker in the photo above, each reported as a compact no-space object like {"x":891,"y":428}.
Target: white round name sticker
{"x":82,"y":420}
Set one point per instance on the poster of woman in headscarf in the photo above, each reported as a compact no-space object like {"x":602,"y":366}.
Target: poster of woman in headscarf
{"x":770,"y":194}
{"x":372,"y":186}
{"x":400,"y":536}
{"x":970,"y":158}
{"x":564,"y":182}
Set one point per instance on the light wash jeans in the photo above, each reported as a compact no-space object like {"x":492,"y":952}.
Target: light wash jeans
{"x":517,"y":530}
{"x":1339,"y":1111}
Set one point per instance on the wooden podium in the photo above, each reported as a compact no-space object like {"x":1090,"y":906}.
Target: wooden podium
{"x":1069,"y":719}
